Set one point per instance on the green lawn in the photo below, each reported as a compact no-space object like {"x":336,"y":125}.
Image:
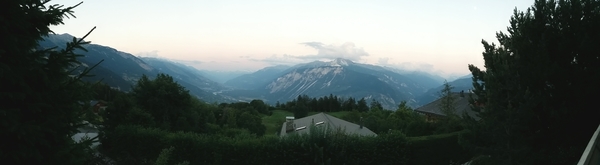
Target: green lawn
{"x":273,"y":123}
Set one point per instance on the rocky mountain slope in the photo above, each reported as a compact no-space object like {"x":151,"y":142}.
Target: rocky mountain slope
{"x":339,"y":77}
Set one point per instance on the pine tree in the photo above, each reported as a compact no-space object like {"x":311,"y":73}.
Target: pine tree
{"x":376,"y":105}
{"x":352,"y":104}
{"x":452,"y":121}
{"x":43,"y":97}
{"x":300,"y":110}
{"x":447,"y":105}
{"x":362,"y":105}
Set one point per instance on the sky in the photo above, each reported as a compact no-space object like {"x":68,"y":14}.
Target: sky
{"x":440,"y":36}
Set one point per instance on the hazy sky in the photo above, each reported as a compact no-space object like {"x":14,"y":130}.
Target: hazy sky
{"x":436,"y":36}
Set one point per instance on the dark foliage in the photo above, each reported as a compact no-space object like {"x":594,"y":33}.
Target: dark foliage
{"x":43,"y":99}
{"x":330,"y":103}
{"x":539,"y":85}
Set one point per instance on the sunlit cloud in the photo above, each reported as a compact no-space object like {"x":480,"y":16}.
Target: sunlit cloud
{"x":329,"y":52}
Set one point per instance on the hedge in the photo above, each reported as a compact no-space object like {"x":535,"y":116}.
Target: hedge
{"x":137,"y":145}
{"x":438,"y":149}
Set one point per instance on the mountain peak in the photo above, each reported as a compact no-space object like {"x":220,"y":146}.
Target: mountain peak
{"x":341,"y":62}
{"x":65,"y":37}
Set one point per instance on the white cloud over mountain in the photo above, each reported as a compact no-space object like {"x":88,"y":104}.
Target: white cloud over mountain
{"x":329,"y":52}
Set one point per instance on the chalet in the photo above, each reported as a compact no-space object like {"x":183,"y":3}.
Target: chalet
{"x":98,"y":105}
{"x":433,"y":112}
{"x":303,"y":125}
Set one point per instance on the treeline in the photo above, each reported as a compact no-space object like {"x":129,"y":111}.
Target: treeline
{"x":304,"y":104}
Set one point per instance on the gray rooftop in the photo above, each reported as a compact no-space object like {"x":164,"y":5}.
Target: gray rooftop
{"x":325,"y":120}
{"x":460,"y":103}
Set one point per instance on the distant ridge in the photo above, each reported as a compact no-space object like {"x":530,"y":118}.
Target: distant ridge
{"x":122,"y":70}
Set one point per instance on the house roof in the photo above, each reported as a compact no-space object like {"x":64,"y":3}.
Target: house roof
{"x":460,"y":103}
{"x":94,"y":102}
{"x":323,"y":119}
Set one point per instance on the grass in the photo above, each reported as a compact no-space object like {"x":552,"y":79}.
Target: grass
{"x":273,"y":123}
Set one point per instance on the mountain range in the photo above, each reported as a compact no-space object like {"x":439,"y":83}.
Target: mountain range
{"x":122,"y":70}
{"x":257,"y":79}
{"x":222,"y":76}
{"x":340,"y":77}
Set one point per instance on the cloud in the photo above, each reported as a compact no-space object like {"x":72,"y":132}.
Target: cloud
{"x":153,"y":53}
{"x":383,"y":61}
{"x":418,"y":66}
{"x":407,"y":66}
{"x":347,"y":50}
{"x":284,"y":59}
{"x":192,"y":62}
{"x":324,"y":52}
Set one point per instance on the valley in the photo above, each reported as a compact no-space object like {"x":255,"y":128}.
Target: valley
{"x":278,"y":83}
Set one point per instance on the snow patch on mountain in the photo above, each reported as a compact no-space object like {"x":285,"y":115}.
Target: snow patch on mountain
{"x":340,"y":62}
